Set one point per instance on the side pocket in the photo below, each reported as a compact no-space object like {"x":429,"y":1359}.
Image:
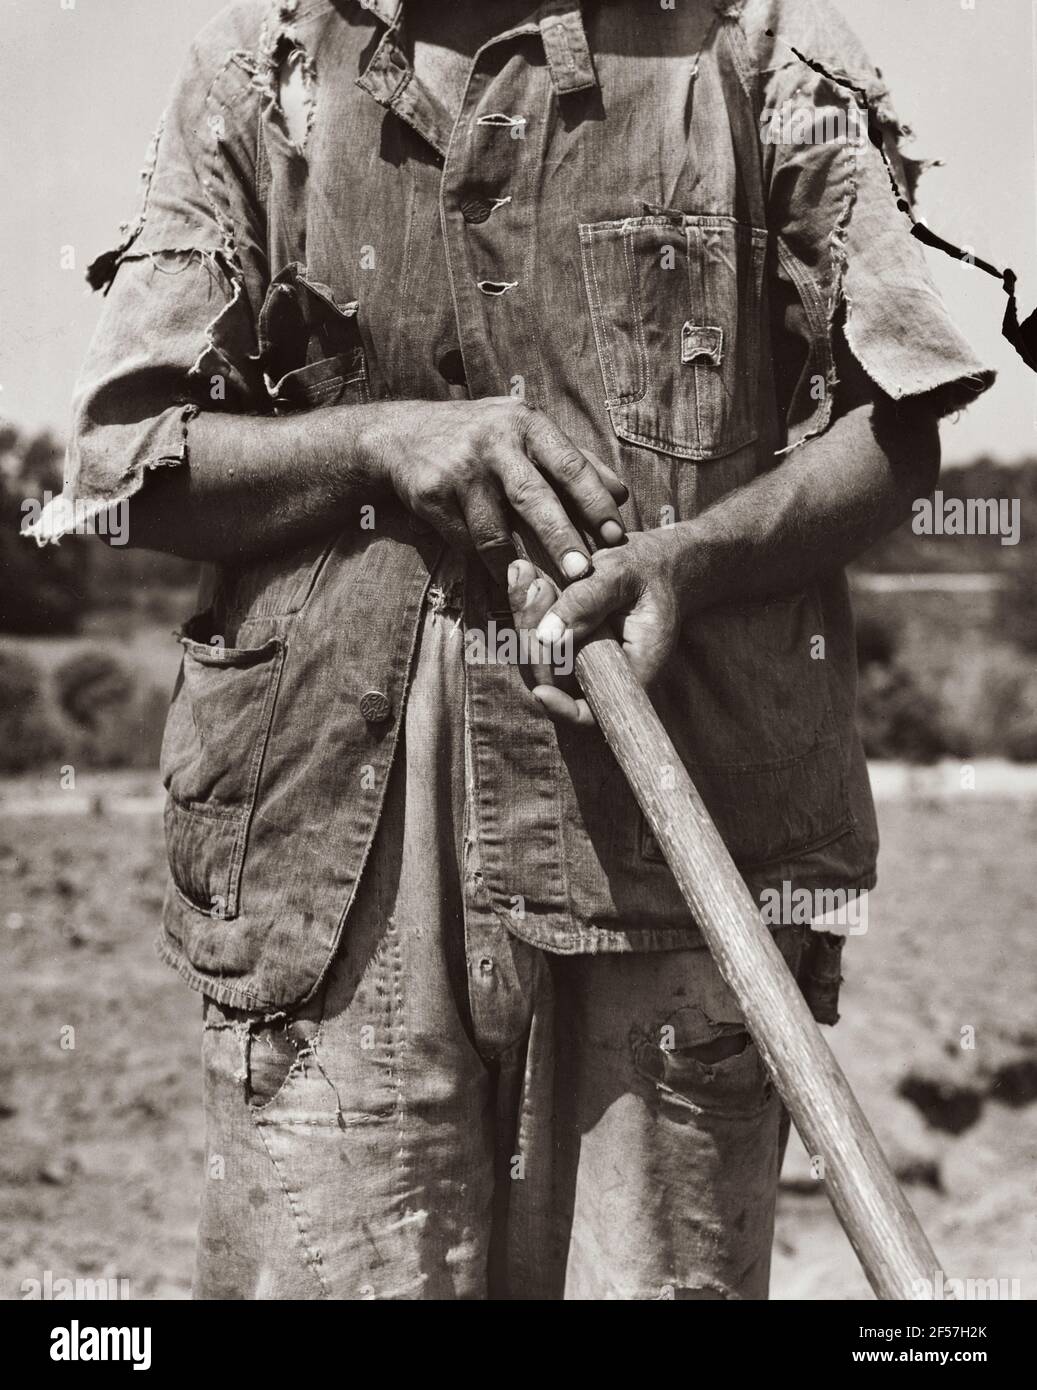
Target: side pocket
{"x":212,"y":756}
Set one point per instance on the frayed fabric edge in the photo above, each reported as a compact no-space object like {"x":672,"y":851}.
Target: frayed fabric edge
{"x":68,"y":514}
{"x":948,"y":397}
{"x":235,"y":276}
{"x":102,"y":270}
{"x":279,"y":45}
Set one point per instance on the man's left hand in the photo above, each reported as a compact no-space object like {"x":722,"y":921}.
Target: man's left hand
{"x":635,"y":584}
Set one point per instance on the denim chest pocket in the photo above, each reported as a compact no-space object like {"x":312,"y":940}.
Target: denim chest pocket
{"x":676,"y":303}
{"x":310,"y":346}
{"x":338,"y":380}
{"x":212,"y":755}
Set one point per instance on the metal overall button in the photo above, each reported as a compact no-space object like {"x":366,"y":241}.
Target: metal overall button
{"x":475,"y":209}
{"x":375,"y":706}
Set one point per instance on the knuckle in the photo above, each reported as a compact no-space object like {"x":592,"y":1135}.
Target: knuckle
{"x":490,"y":540}
{"x":570,"y":465}
{"x":434,"y":493}
{"x":524,"y":490}
{"x":523,"y":420}
{"x":584,"y":599}
{"x":610,"y":566}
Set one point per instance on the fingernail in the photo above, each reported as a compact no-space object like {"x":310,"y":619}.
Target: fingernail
{"x":551,"y":629}
{"x":513,"y":574}
{"x":611,"y":532}
{"x":574,"y":563}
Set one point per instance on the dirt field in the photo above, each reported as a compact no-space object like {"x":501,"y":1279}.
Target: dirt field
{"x":101,"y":1142}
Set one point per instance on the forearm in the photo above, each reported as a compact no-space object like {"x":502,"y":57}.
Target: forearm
{"x":825,"y":504}
{"x":254,"y":485}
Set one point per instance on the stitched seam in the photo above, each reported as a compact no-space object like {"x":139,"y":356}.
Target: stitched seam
{"x":204,"y":808}
{"x":267,"y":718}
{"x":639,"y":327}
{"x":534,"y":241}
{"x":696,"y":452}
{"x":774,"y":764}
{"x":590,"y":280}
{"x":697,"y":379}
{"x":820,"y":337}
{"x":311,"y":1256}
{"x":395,"y":1025}
{"x":247,"y":810}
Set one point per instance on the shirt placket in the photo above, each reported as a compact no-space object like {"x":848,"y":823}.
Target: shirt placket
{"x":489,"y":221}
{"x":492,"y":153}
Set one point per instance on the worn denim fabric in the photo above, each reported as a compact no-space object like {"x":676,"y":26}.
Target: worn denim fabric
{"x":603,"y":228}
{"x":459,"y":1115}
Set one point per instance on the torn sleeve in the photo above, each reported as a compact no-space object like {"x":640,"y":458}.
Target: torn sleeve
{"x":177,"y":332}
{"x":850,"y":273}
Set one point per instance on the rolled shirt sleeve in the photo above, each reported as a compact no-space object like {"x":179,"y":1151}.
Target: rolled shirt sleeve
{"x":183,"y":286}
{"x":839,"y":196}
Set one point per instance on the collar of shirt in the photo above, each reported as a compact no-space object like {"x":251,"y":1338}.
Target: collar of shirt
{"x":389,"y":76}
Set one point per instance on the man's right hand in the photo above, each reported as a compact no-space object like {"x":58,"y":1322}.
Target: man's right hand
{"x":469,"y":467}
{"x":258,"y":485}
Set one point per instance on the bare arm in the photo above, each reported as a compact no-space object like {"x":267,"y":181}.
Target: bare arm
{"x":257,"y":485}
{"x":817,"y":510}
{"x":254,"y":485}
{"x":822,"y":507}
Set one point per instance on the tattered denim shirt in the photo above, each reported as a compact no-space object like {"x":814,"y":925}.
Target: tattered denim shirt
{"x":619,"y":224}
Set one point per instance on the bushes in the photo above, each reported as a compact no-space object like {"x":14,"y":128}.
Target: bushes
{"x":44,"y":589}
{"x":896,"y":718}
{"x":923,"y":694}
{"x":29,"y":735}
{"x":51,"y":590}
{"x":963,"y":695}
{"x":91,"y":711}
{"x":1017,"y":610}
{"x":92,"y":687}
{"x":1020,"y":725}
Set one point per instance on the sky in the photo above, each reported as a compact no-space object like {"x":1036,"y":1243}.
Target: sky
{"x":85,"y":82}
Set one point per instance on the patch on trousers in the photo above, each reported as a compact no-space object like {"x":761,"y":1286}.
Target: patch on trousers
{"x":700,"y":1066}
{"x":272,"y":1046}
{"x":702,"y":1293}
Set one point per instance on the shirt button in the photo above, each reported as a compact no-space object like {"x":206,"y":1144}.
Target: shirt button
{"x":451,"y":367}
{"x":375,"y":706}
{"x":475,"y":209}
